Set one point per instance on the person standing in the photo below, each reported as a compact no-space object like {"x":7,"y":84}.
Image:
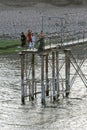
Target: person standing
{"x":23,"y":39}
{"x":41,"y":42}
{"x":29,"y":38}
{"x":33,"y":40}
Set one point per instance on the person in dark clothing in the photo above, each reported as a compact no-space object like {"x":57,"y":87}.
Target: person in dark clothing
{"x":23,"y":39}
{"x":41,"y":42}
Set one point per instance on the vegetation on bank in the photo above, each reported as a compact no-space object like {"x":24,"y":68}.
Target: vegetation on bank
{"x":10,"y":46}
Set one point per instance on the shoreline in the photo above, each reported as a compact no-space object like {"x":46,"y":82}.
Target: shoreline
{"x":17,"y":19}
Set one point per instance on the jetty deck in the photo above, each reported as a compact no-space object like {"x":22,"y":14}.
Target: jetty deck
{"x":58,"y":46}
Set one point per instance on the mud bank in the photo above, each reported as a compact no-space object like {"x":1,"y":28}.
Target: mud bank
{"x":15,"y":19}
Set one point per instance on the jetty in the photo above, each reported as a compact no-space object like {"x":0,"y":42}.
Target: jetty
{"x":41,"y":72}
{"x":48,"y":73}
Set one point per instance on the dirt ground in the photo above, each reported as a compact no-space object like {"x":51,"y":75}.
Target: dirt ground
{"x":16,"y":18}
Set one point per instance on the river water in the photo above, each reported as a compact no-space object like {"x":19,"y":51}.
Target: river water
{"x":66,"y":114}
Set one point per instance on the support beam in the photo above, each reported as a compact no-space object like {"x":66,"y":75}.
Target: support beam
{"x":22,"y":78}
{"x":53,"y":74}
{"x":33,"y":76}
{"x":57,"y":73}
{"x":42,"y":81}
{"x":47,"y":80}
{"x":67,"y":71}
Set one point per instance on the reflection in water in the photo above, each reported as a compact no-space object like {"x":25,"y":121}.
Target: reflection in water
{"x":66,"y":114}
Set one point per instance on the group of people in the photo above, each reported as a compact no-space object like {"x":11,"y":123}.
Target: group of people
{"x":30,"y":40}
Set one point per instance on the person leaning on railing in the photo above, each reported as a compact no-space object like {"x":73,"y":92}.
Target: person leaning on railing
{"x":41,"y":42}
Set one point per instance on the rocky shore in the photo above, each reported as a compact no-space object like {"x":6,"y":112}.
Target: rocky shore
{"x":50,"y":18}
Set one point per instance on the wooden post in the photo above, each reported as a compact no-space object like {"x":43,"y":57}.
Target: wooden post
{"x":22,"y":78}
{"x":57,"y":73}
{"x":67,"y":71}
{"x":33,"y":77}
{"x":47,"y":80}
{"x":42,"y":80}
{"x":53,"y":74}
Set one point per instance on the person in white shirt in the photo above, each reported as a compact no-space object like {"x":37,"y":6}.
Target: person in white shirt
{"x":33,"y":41}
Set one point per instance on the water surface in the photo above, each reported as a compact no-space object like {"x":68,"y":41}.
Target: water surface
{"x":66,"y":114}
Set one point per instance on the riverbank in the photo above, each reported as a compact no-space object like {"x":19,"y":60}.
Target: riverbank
{"x":10,"y":46}
{"x":16,"y":19}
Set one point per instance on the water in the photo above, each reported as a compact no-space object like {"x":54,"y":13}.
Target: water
{"x":66,"y":114}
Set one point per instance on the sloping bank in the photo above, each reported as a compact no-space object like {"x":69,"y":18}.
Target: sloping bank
{"x":10,"y":46}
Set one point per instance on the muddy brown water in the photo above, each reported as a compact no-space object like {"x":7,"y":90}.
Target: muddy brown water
{"x":66,"y":114}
